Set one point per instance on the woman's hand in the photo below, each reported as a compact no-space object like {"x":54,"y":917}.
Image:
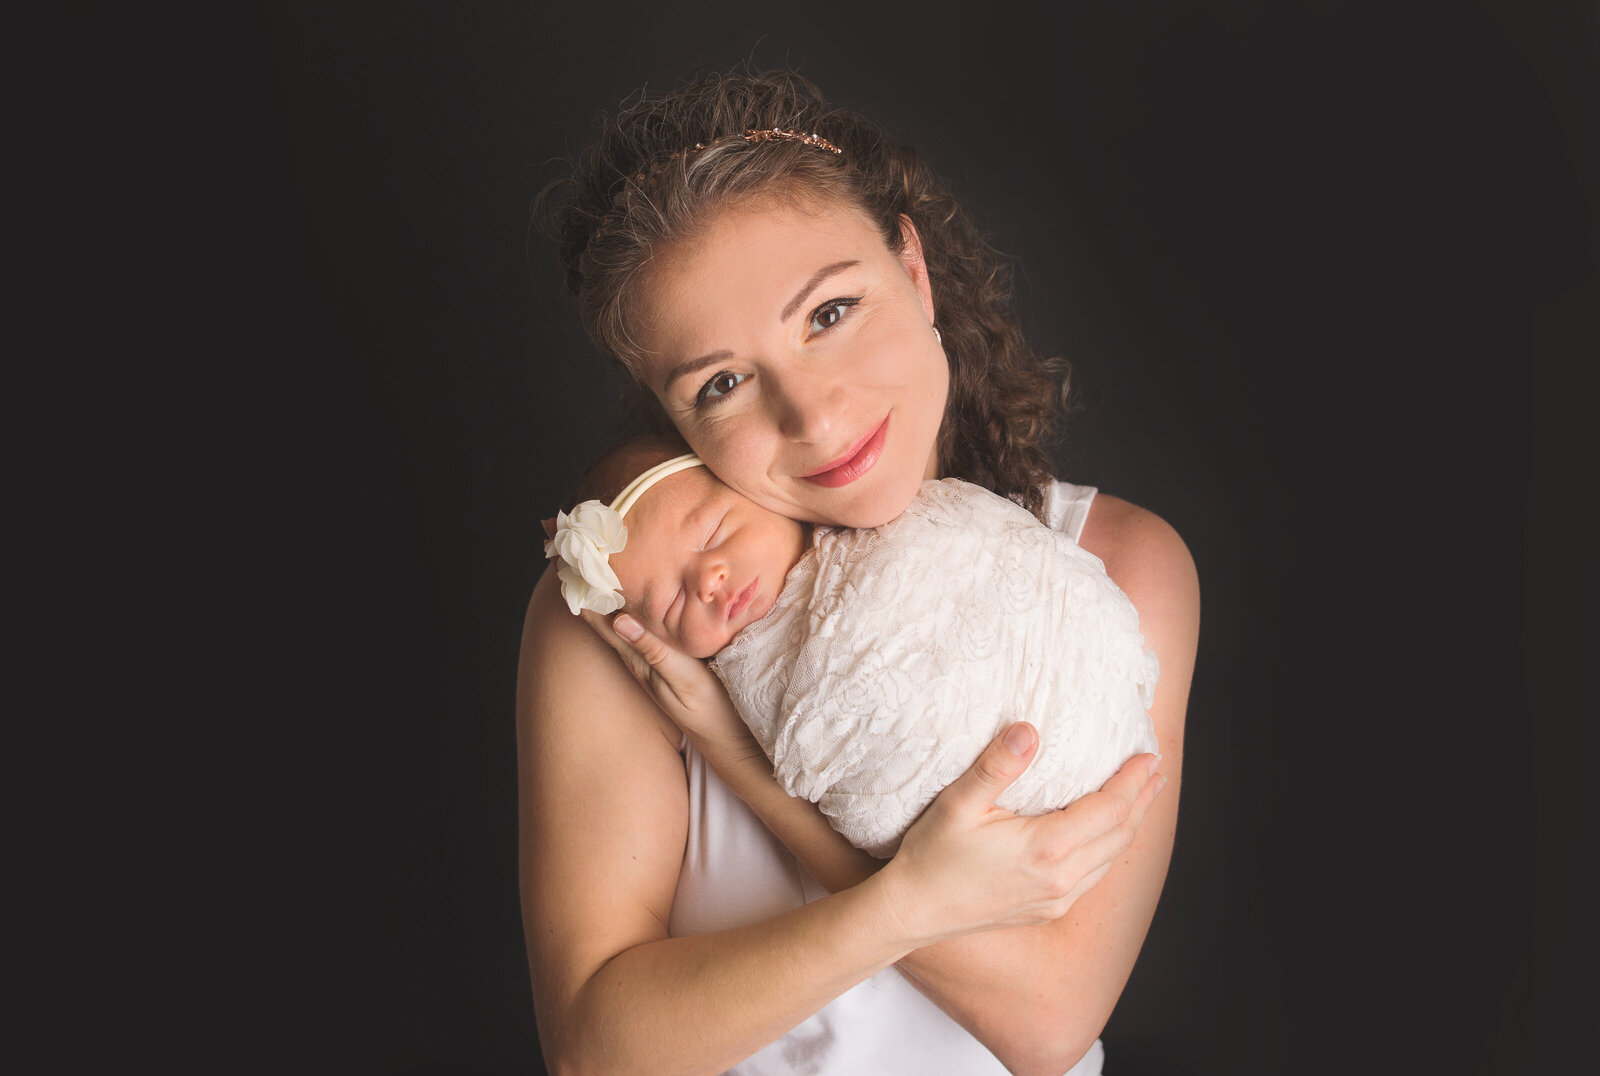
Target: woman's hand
{"x":684,"y":687}
{"x":967,"y":865}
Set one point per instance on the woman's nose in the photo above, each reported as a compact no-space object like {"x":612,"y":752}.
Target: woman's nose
{"x":807,"y":405}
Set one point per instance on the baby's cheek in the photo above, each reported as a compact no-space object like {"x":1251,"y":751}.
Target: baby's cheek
{"x":703,"y":644}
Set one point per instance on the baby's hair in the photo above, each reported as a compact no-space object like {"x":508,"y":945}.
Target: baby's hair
{"x":620,"y":464}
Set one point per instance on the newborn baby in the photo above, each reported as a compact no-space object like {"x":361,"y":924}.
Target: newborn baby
{"x":874,"y":665}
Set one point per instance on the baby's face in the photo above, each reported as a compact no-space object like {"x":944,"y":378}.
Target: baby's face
{"x":701,"y":561}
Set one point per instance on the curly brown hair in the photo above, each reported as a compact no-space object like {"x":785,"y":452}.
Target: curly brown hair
{"x":643,"y":184}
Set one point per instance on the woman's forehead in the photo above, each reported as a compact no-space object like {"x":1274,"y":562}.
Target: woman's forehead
{"x":778,"y":234}
{"x":745,"y":263}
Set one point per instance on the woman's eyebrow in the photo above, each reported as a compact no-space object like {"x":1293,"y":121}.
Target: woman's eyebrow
{"x":816,"y":278}
{"x":689,"y":366}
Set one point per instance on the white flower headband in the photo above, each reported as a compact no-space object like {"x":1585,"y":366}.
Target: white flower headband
{"x":586,"y":539}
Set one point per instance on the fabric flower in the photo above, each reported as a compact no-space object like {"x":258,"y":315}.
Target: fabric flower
{"x":583,"y":543}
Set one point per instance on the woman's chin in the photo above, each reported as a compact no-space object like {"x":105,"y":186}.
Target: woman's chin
{"x":872,"y":504}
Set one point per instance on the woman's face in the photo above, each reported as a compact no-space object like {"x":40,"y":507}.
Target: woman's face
{"x":796,"y":354}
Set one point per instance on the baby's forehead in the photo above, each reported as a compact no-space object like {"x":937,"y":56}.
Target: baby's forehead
{"x":681,"y":494}
{"x":688,"y":492}
{"x":657,"y":524}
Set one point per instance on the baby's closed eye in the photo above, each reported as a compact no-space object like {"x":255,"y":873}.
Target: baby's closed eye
{"x":672,"y":613}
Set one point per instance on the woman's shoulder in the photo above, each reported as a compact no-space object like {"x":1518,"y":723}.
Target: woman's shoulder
{"x":568,"y":669}
{"x":1142,"y":553}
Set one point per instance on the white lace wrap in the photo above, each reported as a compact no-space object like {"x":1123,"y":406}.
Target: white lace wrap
{"x":895,"y":655}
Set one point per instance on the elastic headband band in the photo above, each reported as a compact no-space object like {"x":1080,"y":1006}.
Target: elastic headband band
{"x":635,"y":489}
{"x":585,"y":540}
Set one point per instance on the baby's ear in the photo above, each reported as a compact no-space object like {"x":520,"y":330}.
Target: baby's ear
{"x":550,"y":527}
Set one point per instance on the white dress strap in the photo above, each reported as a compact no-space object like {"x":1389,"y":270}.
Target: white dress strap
{"x":1066,"y":507}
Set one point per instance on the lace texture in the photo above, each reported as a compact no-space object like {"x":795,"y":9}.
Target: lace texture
{"x":895,"y":654}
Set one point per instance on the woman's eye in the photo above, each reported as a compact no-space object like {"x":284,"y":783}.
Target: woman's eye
{"x":721,"y":385}
{"x":830,"y":314}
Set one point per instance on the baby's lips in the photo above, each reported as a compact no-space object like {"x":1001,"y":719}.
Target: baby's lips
{"x":742,"y":600}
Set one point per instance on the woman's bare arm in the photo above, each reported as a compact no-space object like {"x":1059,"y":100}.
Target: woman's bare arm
{"x":603,"y":820}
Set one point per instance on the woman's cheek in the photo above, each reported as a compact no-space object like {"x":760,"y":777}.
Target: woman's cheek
{"x":737,"y":453}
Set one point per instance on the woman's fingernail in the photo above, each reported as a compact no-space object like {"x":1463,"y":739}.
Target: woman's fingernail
{"x":628,"y":628}
{"x":1155,"y":764}
{"x":1018,"y":740}
{"x":1160,"y":786}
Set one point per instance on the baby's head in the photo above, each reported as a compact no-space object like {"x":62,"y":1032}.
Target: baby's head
{"x":699,"y":561}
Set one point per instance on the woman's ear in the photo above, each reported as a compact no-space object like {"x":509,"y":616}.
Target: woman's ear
{"x":916,"y":267}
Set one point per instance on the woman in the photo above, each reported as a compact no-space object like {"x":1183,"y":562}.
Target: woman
{"x":820,"y":321}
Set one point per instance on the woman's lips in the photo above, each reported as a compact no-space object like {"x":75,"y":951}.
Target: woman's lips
{"x":854,"y":463}
{"x":742,"y":600}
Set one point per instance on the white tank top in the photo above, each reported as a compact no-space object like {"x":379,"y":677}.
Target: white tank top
{"x":736,"y":872}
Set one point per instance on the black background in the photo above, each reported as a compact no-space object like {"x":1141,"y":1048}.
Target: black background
{"x":1328,"y":276}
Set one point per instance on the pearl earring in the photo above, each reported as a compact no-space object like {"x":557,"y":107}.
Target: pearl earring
{"x":936,"y":334}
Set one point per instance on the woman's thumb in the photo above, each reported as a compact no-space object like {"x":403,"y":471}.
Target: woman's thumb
{"x":1001,"y":763}
{"x":646,"y":645}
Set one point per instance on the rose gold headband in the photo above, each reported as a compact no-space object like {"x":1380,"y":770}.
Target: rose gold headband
{"x":754,"y":135}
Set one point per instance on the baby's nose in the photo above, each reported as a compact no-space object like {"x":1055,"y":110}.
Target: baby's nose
{"x":713,"y":573}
